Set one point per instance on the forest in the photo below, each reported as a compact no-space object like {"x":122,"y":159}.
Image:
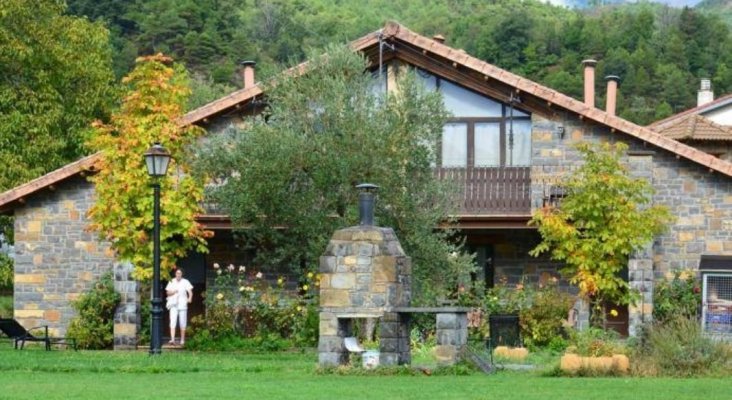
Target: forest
{"x":659,"y":52}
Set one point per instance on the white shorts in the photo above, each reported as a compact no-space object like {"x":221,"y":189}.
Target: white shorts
{"x":177,"y":315}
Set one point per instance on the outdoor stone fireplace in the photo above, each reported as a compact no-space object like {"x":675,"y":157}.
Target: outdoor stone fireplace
{"x":364,"y":274}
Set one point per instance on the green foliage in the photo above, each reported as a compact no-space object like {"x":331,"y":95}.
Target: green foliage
{"x":55,"y":78}
{"x":93,"y":328}
{"x":605,"y":217}
{"x":542,"y":311}
{"x":324,"y":132}
{"x":6,"y":271}
{"x":639,"y":42}
{"x":243,"y":305}
{"x":678,"y":347}
{"x":123,"y":211}
{"x":595,"y":342}
{"x":6,"y":306}
{"x":677,"y":297}
{"x":543,"y":324}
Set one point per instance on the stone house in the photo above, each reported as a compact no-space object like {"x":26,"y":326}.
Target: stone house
{"x":508,"y":144}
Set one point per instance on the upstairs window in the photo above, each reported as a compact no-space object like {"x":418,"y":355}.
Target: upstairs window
{"x":482,"y":132}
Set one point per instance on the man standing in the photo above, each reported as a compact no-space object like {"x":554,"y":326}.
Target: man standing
{"x":180,"y":293}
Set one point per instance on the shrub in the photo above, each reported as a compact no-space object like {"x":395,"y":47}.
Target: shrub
{"x":595,"y":342}
{"x":243,"y":304}
{"x":542,"y":310}
{"x":543,"y":322}
{"x":680,"y":296}
{"x":93,"y":328}
{"x":678,"y":347}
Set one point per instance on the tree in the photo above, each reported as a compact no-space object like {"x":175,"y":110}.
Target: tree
{"x":605,"y":217}
{"x":288,"y":176}
{"x":55,"y":78}
{"x":155,"y":99}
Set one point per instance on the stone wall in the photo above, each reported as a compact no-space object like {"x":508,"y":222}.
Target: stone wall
{"x":701,"y":200}
{"x":56,"y":259}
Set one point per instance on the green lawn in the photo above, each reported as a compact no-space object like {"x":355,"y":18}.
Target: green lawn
{"x":36,"y":374}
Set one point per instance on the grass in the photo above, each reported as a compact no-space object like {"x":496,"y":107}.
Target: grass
{"x":60,"y":374}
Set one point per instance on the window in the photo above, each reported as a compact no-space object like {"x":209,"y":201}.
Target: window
{"x":483,"y":132}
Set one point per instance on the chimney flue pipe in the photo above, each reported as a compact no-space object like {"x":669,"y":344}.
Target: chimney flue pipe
{"x":366,"y":203}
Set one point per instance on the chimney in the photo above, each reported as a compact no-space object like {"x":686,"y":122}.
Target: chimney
{"x":611,"y":100}
{"x":438,"y":38}
{"x":247,"y":73}
{"x":589,"y":82}
{"x":705,"y":94}
{"x":366,"y":203}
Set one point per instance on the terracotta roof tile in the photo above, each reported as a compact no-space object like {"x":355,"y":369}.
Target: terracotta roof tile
{"x":696,"y":110}
{"x":695,"y":127}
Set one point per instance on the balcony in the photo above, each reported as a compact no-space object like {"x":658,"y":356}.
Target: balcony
{"x":491,"y":191}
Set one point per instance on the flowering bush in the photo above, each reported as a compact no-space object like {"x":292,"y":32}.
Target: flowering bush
{"x":678,"y":297}
{"x":244,"y":303}
{"x":542,"y":309}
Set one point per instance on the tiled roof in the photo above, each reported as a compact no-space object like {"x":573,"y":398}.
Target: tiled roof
{"x":428,"y":47}
{"x":695,"y":127}
{"x":662,"y":124}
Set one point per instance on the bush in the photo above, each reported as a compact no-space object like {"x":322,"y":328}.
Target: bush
{"x":542,"y":310}
{"x":543,"y":322}
{"x":595,"y":342}
{"x":6,"y":306}
{"x":680,"y":296}
{"x":678,"y":347}
{"x":93,"y":328}
{"x":243,"y":304}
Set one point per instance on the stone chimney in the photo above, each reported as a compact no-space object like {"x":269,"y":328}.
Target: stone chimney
{"x":705,"y":94}
{"x":247,"y":73}
{"x":611,"y":99}
{"x":589,"y":82}
{"x":438,"y":38}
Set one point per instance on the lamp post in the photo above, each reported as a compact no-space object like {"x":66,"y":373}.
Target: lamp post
{"x":156,"y":159}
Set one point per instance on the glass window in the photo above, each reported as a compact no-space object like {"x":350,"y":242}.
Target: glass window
{"x":520,"y":154}
{"x":487,"y":144}
{"x":455,"y":145}
{"x":465,"y":103}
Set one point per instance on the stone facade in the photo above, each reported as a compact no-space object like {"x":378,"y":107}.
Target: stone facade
{"x":57,"y":259}
{"x":700,"y":200}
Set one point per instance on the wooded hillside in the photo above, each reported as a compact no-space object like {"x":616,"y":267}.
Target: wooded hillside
{"x":659,"y":52}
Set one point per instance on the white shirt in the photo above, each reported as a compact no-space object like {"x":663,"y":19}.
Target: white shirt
{"x":181,"y":288}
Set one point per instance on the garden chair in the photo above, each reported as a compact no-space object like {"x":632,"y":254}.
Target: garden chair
{"x":19,"y":334}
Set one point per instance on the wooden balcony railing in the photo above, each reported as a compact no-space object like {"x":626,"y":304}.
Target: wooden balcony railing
{"x":491,"y":191}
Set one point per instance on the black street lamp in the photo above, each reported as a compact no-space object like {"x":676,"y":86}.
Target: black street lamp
{"x":156,"y":159}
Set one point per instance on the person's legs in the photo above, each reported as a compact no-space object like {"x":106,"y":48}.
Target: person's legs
{"x":173,"y":319}
{"x":183,"y":315}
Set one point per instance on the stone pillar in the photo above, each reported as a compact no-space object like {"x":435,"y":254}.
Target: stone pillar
{"x":452,"y":336}
{"x":394,"y":339}
{"x":640,"y":278}
{"x":331,"y":349}
{"x":127,"y":316}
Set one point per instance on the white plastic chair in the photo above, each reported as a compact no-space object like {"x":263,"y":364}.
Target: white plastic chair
{"x":352,"y":345}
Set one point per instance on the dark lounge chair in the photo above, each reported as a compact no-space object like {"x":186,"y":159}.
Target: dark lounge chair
{"x":19,"y":334}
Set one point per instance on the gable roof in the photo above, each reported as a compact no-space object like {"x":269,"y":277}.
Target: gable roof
{"x":695,"y":127}
{"x":443,"y":60}
{"x":704,"y":108}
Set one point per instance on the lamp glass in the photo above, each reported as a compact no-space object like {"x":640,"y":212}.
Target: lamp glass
{"x":157,"y":160}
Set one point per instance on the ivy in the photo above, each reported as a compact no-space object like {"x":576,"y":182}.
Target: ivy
{"x":123,"y":212}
